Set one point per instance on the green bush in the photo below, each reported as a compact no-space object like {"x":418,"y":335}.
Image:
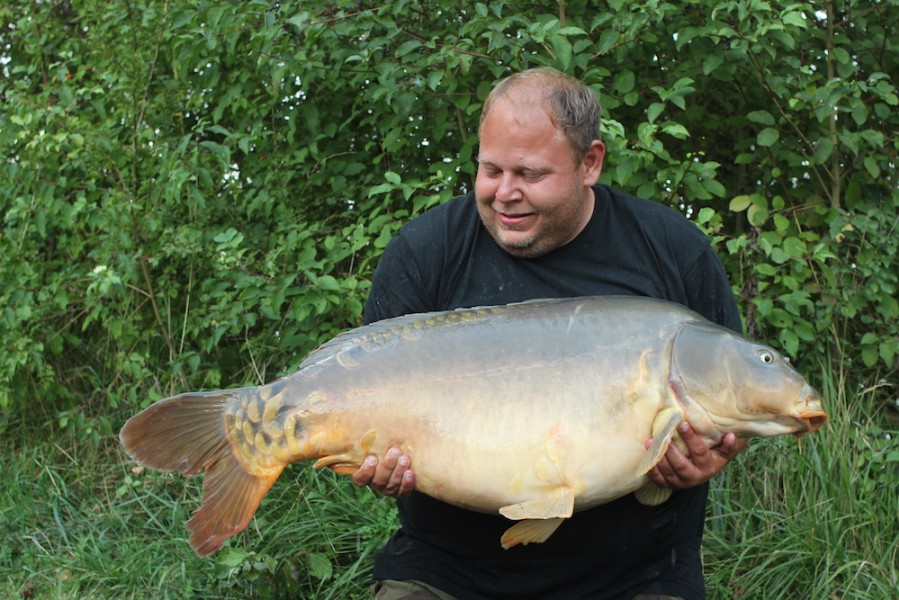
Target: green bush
{"x":195,"y":194}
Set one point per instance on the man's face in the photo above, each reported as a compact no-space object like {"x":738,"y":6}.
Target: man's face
{"x":532,"y":197}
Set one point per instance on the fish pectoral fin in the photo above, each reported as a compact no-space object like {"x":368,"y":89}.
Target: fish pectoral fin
{"x":663,"y":429}
{"x":344,"y":464}
{"x":531,"y":531}
{"x":558,"y":503}
{"x":651,"y":494}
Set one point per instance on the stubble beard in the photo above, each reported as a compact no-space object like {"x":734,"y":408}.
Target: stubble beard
{"x":552,"y":233}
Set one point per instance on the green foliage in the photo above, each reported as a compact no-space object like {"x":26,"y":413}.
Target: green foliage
{"x":195,"y":195}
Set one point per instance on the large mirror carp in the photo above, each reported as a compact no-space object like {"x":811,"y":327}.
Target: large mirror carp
{"x":532,"y":410}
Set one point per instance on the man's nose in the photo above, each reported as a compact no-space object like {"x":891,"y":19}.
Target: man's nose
{"x":508,"y":189}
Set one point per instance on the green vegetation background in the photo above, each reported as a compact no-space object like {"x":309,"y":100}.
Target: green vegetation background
{"x":194,"y":195}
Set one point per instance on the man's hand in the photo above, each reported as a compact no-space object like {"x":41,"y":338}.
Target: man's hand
{"x":679,"y":472}
{"x":392,"y":476}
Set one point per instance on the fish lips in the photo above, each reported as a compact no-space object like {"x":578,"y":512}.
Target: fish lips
{"x":812,"y":416}
{"x":812,"y":420}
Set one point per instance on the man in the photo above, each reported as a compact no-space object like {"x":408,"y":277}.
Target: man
{"x":538,"y":225}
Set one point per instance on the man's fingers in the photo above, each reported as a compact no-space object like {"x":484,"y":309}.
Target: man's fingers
{"x":385,"y":469}
{"x":364,"y":474}
{"x":680,"y":470}
{"x":395,"y":474}
{"x":390,"y":475}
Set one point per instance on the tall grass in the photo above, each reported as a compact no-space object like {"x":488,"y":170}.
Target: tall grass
{"x":82,"y":521}
{"x":79,"y":520}
{"x":817,"y":521}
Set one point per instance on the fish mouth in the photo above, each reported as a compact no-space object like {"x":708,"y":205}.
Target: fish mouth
{"x":811,"y":412}
{"x":812,"y":421}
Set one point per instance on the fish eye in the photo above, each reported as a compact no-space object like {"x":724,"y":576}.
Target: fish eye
{"x":766,"y":356}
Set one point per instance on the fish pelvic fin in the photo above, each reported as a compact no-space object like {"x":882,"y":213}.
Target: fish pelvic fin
{"x":531,"y":531}
{"x":186,"y":433}
{"x":652,"y":495}
{"x":539,"y":518}
{"x":558,"y":503}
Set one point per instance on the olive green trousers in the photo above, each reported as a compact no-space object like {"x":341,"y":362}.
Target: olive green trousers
{"x":416,"y":590}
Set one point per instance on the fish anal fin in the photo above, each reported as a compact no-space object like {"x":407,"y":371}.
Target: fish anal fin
{"x":558,"y":503}
{"x":230,"y":499}
{"x":344,"y":464}
{"x":531,"y":531}
{"x":652,"y":495}
{"x":663,"y":429}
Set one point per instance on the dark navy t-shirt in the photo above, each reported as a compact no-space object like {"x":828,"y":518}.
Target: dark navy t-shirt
{"x":446,"y":259}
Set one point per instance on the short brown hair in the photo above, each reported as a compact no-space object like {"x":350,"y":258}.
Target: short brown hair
{"x":574,"y":107}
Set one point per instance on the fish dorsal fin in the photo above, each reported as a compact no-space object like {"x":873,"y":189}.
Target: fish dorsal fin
{"x":345,"y":345}
{"x":651,"y":494}
{"x":530,"y":532}
{"x":664,"y":427}
{"x":558,"y":503}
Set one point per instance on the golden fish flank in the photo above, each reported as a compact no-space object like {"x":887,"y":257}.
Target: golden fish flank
{"x":561,"y":394}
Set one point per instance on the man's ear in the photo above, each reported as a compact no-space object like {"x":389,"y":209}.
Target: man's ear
{"x":592,"y":163}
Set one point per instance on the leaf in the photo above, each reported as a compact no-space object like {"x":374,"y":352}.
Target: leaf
{"x":624,"y":81}
{"x":607,"y":39}
{"x":872,"y":167}
{"x":768,"y":137}
{"x":870,"y":355}
{"x":859,"y":112}
{"x":762,"y":117}
{"x":794,"y":247}
{"x":790,"y":341}
{"x":757,"y":215}
{"x":705,"y":215}
{"x":216,"y":148}
{"x":654,"y":110}
{"x":794,"y":18}
{"x":407,"y":47}
{"x":841,"y":55}
{"x":740,"y":203}
{"x":319,"y":565}
{"x":676,"y":130}
{"x":714,"y":187}
{"x":711,"y":63}
{"x":562,"y":50}
{"x":823,"y":150}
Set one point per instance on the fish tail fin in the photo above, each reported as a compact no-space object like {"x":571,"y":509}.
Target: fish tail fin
{"x":186,"y":433}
